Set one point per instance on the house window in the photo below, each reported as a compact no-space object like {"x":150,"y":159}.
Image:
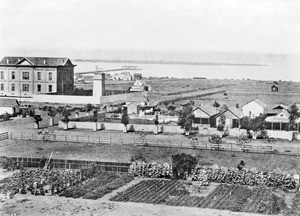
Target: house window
{"x":25,"y":75}
{"x":39,"y":87}
{"x":39,"y":76}
{"x":13,"y":87}
{"x":2,"y":87}
{"x":25,"y":87}
{"x":2,"y":74}
{"x":13,"y":75}
{"x":50,"y":88}
{"x":50,"y":76}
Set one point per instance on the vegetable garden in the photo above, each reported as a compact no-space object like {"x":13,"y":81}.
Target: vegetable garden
{"x":240,"y":190}
{"x":229,"y":197}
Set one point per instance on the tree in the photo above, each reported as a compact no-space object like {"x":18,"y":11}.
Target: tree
{"x":65,"y":117}
{"x":88,"y":108}
{"x":294,"y":115}
{"x":256,"y":125}
{"x":156,"y":119}
{"x":186,"y":117}
{"x":125,"y":119}
{"x":183,"y":164}
{"x":222,"y":122}
{"x":95,"y":115}
{"x":37,"y":120}
{"x":52,"y":113}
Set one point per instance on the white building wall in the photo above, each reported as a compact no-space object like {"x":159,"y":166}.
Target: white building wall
{"x":253,"y":109}
{"x":9,"y":110}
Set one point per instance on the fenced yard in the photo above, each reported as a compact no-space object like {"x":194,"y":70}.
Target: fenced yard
{"x":200,"y":142}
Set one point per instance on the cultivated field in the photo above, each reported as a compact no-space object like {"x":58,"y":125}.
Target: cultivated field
{"x":223,"y":197}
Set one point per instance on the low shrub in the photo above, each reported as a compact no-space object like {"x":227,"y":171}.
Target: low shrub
{"x":154,"y":170}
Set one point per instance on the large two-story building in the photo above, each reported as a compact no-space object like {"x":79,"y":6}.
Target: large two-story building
{"x":26,"y":76}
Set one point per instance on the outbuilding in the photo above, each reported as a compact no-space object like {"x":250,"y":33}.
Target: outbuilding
{"x":10,"y":106}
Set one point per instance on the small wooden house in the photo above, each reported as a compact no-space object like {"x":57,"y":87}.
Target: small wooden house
{"x":205,"y":116}
{"x":233,"y":117}
{"x":274,"y":88}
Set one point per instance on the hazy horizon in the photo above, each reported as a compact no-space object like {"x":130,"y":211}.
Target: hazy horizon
{"x":262,"y":32}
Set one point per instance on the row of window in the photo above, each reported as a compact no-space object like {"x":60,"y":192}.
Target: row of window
{"x":25,"y":75}
{"x":25,"y":87}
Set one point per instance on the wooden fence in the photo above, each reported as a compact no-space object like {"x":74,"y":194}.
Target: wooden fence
{"x":3,"y":136}
{"x":72,"y":164}
{"x":201,"y":144}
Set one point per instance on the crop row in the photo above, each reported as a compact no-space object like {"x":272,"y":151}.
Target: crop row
{"x":40,"y":181}
{"x":230,"y":197}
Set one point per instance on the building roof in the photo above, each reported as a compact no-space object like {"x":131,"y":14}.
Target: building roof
{"x":281,"y":106}
{"x":285,"y":118}
{"x":36,"y":61}
{"x":209,"y":110}
{"x":262,"y":104}
{"x":6,"y":102}
{"x":234,"y":111}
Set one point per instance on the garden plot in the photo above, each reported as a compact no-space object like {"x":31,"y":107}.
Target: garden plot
{"x":223,"y":197}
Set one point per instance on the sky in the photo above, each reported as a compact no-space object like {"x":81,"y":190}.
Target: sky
{"x":78,"y":27}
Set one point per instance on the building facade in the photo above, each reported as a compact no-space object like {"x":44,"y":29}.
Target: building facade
{"x":27,"y":76}
{"x":254,"y":108}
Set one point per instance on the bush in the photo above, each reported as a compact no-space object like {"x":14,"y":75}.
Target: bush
{"x":215,"y":139}
{"x":220,"y":127}
{"x":152,"y":170}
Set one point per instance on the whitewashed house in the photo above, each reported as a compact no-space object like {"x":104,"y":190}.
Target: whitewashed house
{"x":140,"y":86}
{"x":280,"y":121}
{"x":254,"y":108}
{"x":9,"y":106}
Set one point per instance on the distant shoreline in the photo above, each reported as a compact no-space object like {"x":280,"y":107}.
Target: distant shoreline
{"x":167,"y":62}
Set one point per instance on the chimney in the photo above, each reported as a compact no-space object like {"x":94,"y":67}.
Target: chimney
{"x":7,"y":61}
{"x":44,"y":61}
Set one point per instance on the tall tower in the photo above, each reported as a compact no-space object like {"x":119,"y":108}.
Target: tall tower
{"x":99,"y":85}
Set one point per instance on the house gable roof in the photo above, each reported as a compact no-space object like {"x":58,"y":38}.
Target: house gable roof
{"x":262,"y":104}
{"x":5,"y":102}
{"x":36,"y":61}
{"x":209,"y":110}
{"x":281,"y":106}
{"x":234,"y":111}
